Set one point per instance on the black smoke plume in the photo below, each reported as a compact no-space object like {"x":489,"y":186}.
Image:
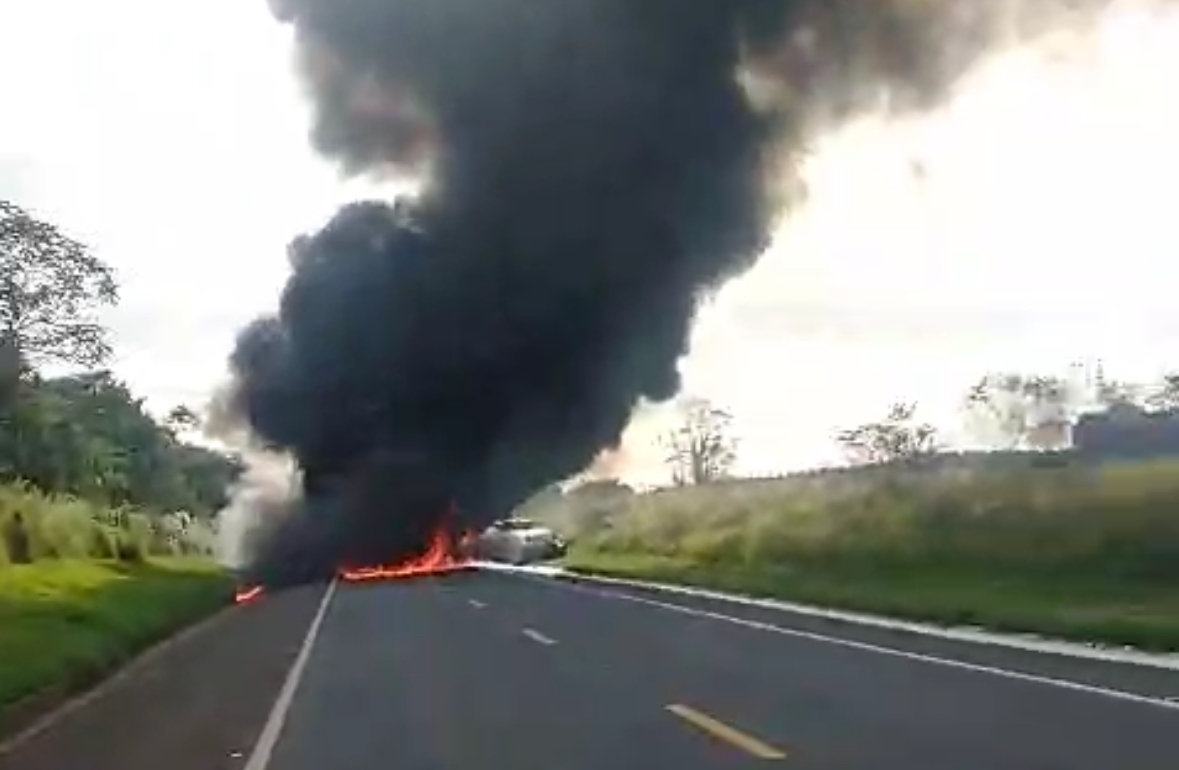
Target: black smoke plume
{"x":589,"y":167}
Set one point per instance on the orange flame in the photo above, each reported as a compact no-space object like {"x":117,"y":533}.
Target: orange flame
{"x":245,"y":595}
{"x":439,"y":558}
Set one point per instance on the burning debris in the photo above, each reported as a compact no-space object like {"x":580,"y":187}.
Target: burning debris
{"x":442,"y":556}
{"x":588,"y":168}
{"x":248,"y":594}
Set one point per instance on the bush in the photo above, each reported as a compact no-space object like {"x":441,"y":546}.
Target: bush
{"x":1090,"y":553}
{"x":1118,"y":519}
{"x":64,"y":527}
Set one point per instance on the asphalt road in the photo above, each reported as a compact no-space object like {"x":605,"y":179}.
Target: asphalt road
{"x":489,"y":670}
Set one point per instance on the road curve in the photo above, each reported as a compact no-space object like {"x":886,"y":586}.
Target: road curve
{"x":496,"y":670}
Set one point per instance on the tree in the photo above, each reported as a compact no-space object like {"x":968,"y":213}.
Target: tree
{"x":88,"y":435}
{"x":1108,"y":392}
{"x":10,"y":372}
{"x":50,"y":289}
{"x":182,"y":418}
{"x":899,"y":436}
{"x":207,"y":477}
{"x":1019,"y":410}
{"x":84,"y":434}
{"x":702,"y":448}
{"x":1166,"y":395}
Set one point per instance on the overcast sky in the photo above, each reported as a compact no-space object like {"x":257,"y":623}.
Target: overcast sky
{"x":174,"y":143}
{"x":1028,"y":224}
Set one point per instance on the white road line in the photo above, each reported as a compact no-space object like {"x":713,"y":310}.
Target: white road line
{"x":880,"y":650}
{"x":971,"y":634}
{"x":537,"y":636}
{"x":476,"y":603}
{"x":268,"y":738}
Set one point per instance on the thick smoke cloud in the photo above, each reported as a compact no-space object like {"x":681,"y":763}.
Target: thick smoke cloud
{"x":589,"y":167}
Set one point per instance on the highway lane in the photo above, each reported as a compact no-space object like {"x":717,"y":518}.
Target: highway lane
{"x":849,"y":706}
{"x":412,"y":675}
{"x":494,"y":670}
{"x":1149,"y":681}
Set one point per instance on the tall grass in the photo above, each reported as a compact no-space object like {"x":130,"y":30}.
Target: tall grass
{"x":1114,"y":519}
{"x":64,"y":527}
{"x":1082,"y":552}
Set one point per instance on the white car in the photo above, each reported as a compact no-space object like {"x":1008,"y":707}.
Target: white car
{"x":519,"y":541}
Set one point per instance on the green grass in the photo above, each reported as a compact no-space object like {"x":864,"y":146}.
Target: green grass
{"x":1066,"y":550}
{"x":63,"y":623}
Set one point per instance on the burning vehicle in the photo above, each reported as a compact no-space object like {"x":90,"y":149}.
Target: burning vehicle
{"x":519,"y":541}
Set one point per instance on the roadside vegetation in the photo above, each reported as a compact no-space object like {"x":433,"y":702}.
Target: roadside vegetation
{"x":64,"y":623}
{"x":1063,"y":541}
{"x":106,"y":511}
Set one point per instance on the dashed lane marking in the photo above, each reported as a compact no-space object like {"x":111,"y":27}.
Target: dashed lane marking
{"x":722,"y":731}
{"x":537,"y":636}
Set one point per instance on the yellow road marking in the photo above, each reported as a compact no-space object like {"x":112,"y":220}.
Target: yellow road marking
{"x":730,"y":735}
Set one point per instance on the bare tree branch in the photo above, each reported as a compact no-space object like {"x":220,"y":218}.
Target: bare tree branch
{"x":702,"y":448}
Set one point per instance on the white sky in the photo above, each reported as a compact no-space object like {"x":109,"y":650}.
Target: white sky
{"x":175,"y":143}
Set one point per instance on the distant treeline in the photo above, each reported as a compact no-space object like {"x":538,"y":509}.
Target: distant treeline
{"x":88,"y":436}
{"x":82,"y":436}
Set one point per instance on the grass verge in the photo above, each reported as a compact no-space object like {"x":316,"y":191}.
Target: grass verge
{"x":1097,"y":608}
{"x":64,"y":624}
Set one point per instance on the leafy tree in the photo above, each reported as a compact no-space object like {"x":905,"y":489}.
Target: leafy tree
{"x":88,"y":435}
{"x":208,"y":476}
{"x":50,"y":289}
{"x":899,"y":436}
{"x":183,"y":416}
{"x":181,"y":419}
{"x":702,"y":448}
{"x":1020,"y":410}
{"x":1166,"y":395}
{"x":84,"y":434}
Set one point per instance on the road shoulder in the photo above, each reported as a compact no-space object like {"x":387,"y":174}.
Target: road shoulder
{"x":1153,"y":682}
{"x":195,"y":704}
